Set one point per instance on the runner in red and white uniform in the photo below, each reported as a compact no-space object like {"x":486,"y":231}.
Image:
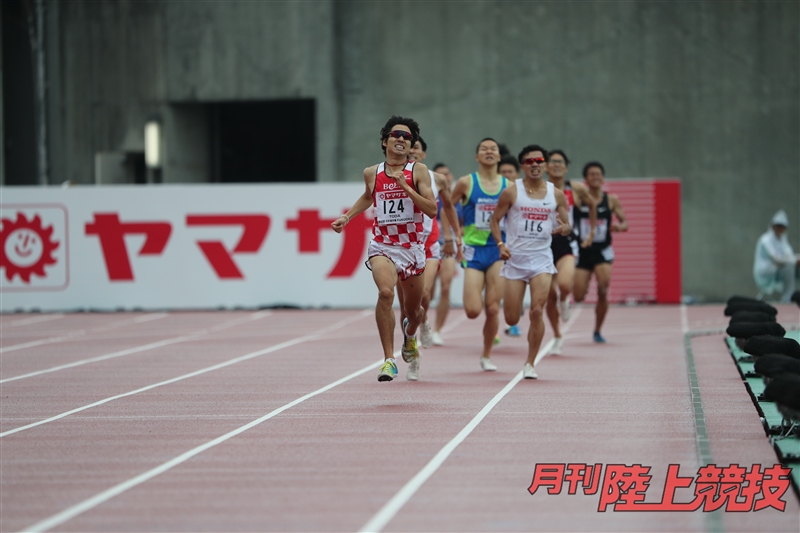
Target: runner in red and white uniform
{"x":400,"y":192}
{"x":534,"y":210}
{"x":447,"y":264}
{"x":433,"y":251}
{"x":565,"y":249}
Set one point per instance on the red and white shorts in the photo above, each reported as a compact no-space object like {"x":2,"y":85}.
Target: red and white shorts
{"x":433,"y":251}
{"x":408,"y":261}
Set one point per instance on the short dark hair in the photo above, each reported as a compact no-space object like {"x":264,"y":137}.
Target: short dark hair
{"x":591,"y":164}
{"x":532,"y":148}
{"x":423,"y":143}
{"x":503,"y":149}
{"x":508,"y":160}
{"x":393,"y":121}
{"x":478,"y":148}
{"x":438,"y":166}
{"x":560,"y":152}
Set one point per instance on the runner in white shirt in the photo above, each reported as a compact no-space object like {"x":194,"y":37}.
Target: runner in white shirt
{"x":534,"y":211}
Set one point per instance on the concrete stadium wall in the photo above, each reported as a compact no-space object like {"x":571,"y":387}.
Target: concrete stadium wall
{"x":705,"y":91}
{"x":113,"y":64}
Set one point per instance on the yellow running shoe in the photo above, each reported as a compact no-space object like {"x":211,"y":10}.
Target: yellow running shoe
{"x":388,"y":371}
{"x":409,"y":351}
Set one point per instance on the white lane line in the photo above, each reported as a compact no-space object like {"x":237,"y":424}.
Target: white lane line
{"x":546,"y":349}
{"x":684,"y":319}
{"x":236,"y":321}
{"x":34,"y":320}
{"x":31,"y":344}
{"x":149,"y":317}
{"x":51,"y":340}
{"x":379,"y":521}
{"x":142,"y":348}
{"x":229,"y":362}
{"x":388,"y":511}
{"x":454,"y":323}
{"x":112,"y":355}
{"x":86,"y":505}
{"x":137,"y":320}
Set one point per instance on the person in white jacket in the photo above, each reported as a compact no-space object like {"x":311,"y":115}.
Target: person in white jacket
{"x":775,"y":262}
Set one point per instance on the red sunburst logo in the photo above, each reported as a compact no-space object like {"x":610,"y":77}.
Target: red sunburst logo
{"x":26,"y":247}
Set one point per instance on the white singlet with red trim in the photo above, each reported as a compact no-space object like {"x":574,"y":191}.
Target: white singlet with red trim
{"x":429,"y":229}
{"x":570,"y":202}
{"x":529,"y":222}
{"x":397,"y":221}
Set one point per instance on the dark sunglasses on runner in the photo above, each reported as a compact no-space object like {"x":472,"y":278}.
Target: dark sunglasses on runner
{"x":532,"y":160}
{"x":400,"y":133}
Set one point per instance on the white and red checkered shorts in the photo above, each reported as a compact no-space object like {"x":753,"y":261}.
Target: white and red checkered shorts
{"x":408,"y":261}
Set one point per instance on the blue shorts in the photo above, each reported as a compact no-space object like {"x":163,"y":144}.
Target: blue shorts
{"x":480,"y":257}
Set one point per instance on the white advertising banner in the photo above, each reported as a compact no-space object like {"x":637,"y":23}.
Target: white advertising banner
{"x":183,"y":247}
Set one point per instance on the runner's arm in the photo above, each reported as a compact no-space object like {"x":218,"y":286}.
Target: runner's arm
{"x":563,"y":218}
{"x":460,"y":190}
{"x":458,"y":195}
{"x":583,"y":197}
{"x":362,"y":203}
{"x":450,"y":218}
{"x":616,"y":207}
{"x":423,"y":195}
{"x":504,"y":203}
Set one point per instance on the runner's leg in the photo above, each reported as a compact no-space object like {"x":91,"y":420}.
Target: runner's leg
{"x":385,"y":275}
{"x":564,"y":278}
{"x":582,"y":278}
{"x":540,"y":288}
{"x":431,"y":269}
{"x":494,"y":292}
{"x":446,"y":274}
{"x":513,"y":298}
{"x":602,"y":273}
{"x":552,"y":308}
{"x":412,"y":299}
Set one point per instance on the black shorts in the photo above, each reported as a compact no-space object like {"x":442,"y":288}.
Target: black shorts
{"x":590,"y":258}
{"x":561,"y":246}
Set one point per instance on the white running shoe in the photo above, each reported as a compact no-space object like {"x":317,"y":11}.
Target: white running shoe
{"x":437,"y":339}
{"x":528,"y":372}
{"x":412,"y":374}
{"x":487,"y":365}
{"x":558,"y":343}
{"x":566,"y":311}
{"x":425,"y":335}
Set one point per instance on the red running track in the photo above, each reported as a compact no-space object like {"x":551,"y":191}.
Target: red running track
{"x":274,"y":421}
